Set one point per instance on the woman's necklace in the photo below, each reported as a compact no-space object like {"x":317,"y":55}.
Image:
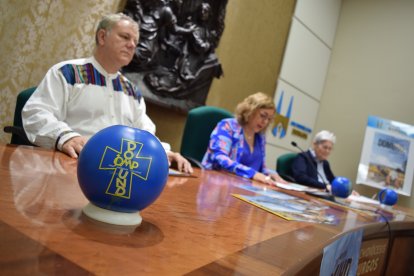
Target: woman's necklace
{"x":249,"y":137}
{"x":249,"y":140}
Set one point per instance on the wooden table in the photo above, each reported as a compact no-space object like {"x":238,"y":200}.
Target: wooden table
{"x":195,"y":227}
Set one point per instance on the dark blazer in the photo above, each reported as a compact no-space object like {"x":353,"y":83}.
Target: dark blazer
{"x":306,"y":173}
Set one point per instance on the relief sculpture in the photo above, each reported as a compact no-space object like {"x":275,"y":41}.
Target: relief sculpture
{"x":175,"y":60}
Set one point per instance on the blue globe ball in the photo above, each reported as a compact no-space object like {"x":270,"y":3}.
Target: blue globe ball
{"x":388,"y":197}
{"x":122,"y":169}
{"x":341,"y":187}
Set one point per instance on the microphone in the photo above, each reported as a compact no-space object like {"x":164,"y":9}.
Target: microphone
{"x":293,"y":143}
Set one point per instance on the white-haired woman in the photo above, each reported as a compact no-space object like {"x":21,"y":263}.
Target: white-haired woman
{"x":311,"y":168}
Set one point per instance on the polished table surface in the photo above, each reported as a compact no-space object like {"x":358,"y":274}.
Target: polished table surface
{"x":195,"y":227}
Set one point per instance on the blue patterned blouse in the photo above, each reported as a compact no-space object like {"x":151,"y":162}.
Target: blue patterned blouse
{"x":225,"y":150}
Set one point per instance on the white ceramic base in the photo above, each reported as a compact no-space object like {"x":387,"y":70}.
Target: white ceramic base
{"x":386,"y":207}
{"x":111,"y":217}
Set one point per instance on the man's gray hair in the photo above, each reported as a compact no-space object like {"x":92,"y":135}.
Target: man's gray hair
{"x":324,"y":135}
{"x":109,"y":20}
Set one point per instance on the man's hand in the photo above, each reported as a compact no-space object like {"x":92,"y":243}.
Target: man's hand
{"x":182,"y":164}
{"x":73,"y":146}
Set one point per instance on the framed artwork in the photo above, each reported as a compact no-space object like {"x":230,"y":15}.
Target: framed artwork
{"x":387,"y":158}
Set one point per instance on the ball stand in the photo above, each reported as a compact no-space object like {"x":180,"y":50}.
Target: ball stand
{"x":112,"y":217}
{"x":386,"y":207}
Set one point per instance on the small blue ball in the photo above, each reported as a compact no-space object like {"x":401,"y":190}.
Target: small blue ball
{"x":388,"y":197}
{"x":122,"y":169}
{"x":341,"y":187}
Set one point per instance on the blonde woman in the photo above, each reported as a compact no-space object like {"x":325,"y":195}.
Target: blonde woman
{"x":237,"y":144}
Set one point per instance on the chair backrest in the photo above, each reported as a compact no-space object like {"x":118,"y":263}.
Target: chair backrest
{"x":200,"y":123}
{"x":283,"y":165}
{"x":17,"y":122}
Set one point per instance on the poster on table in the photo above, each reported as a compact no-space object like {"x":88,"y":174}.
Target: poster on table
{"x":387,"y":158}
{"x":289,"y":207}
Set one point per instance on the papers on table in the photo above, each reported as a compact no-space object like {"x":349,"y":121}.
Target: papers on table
{"x":295,"y":187}
{"x":362,"y":199}
{"x":302,"y":188}
{"x":288,"y":206}
{"x":178,"y":173}
{"x":284,"y":205}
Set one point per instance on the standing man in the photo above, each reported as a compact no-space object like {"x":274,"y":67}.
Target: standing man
{"x":77,"y":98}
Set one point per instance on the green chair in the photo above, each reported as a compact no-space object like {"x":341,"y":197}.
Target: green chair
{"x":200,"y":123}
{"x":19,"y":137}
{"x":284,"y":164}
